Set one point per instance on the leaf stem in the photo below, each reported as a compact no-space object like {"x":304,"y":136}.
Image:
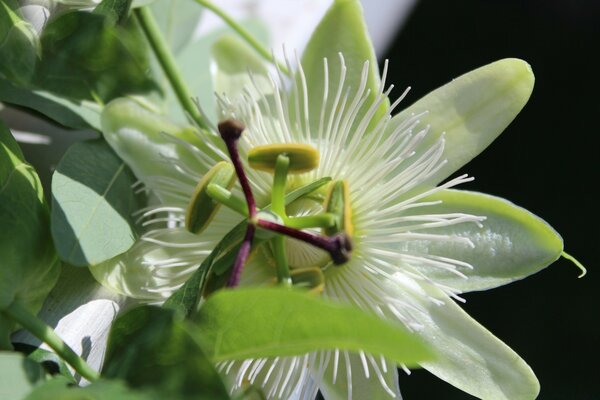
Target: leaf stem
{"x":43,"y":332}
{"x":167,"y":62}
{"x":255,"y":44}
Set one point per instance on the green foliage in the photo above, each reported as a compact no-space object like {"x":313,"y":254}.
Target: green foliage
{"x":255,"y":323}
{"x":19,"y":46}
{"x":150,"y":349}
{"x":52,"y":363}
{"x":29,"y":267}
{"x":59,"y":388}
{"x":92,"y":204}
{"x":116,"y":11}
{"x":18,"y":375}
{"x":85,"y":56}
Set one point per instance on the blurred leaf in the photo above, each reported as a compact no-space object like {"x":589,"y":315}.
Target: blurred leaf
{"x":59,"y":388}
{"x":115,"y":10}
{"x":19,"y":375}
{"x":77,"y":114}
{"x":177,"y":20}
{"x":92,"y":203}
{"x":18,"y":45}
{"x":220,"y":260}
{"x":29,"y":265}
{"x":151,"y":350}
{"x":52,"y":364}
{"x":255,"y":323}
{"x":85,"y":56}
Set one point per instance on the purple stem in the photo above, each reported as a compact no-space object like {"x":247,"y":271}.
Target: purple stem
{"x":339,"y":246}
{"x":242,"y":256}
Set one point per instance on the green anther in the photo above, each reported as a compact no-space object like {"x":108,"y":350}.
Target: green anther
{"x":282,"y":165}
{"x":303,"y":157}
{"x":311,"y":279}
{"x":338,"y":204}
{"x":203,"y":207}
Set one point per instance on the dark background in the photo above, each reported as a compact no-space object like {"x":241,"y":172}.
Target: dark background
{"x":546,"y":161}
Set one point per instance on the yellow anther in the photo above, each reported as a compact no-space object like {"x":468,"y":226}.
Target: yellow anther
{"x":303,"y":157}
{"x":338,"y":203}
{"x":202,"y":207}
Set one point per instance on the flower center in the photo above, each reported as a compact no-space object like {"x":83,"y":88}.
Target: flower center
{"x":273,"y":224}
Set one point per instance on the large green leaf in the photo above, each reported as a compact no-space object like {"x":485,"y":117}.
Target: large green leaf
{"x":19,"y":45}
{"x":254,"y":323}
{"x":30,"y":267}
{"x":92,"y":203}
{"x":49,"y":360}
{"x":510,"y":244}
{"x":19,"y":375}
{"x":472,"y":111}
{"x":342,"y":30}
{"x":150,"y":349}
{"x":85,"y":56}
{"x":71,"y":113}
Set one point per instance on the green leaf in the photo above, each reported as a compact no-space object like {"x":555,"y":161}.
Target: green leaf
{"x":19,"y":375}
{"x":77,"y":114}
{"x":29,"y":264}
{"x":115,"y":10}
{"x":510,"y":244}
{"x":151,"y":350}
{"x":220,"y":260}
{"x":19,"y":46}
{"x":58,"y":388}
{"x":177,"y":20}
{"x":342,"y":30}
{"x":92,"y":203}
{"x":84,"y":56}
{"x":51,"y":362}
{"x":255,"y":323}
{"x":472,"y":111}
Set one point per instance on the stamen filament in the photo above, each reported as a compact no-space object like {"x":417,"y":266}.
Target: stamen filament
{"x":279,"y":182}
{"x":228,"y":199}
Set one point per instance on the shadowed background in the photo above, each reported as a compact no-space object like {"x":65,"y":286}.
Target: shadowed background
{"x":546,"y":161}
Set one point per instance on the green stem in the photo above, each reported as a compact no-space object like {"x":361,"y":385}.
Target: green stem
{"x":167,"y":62}
{"x":225,"y":197}
{"x":283,"y":269}
{"x":43,"y":332}
{"x":325,"y":220}
{"x":263,"y":52}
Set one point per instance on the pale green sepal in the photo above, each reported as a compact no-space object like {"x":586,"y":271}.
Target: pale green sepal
{"x":147,"y":141}
{"x":233,"y":63}
{"x":360,"y":386}
{"x":472,"y":110}
{"x":510,"y":244}
{"x":342,"y":30}
{"x":472,"y":358}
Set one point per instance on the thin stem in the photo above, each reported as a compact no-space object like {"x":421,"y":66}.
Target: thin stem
{"x":167,"y":62}
{"x":279,"y":182}
{"x":324,"y":220}
{"x":43,"y":332}
{"x":283,"y":269}
{"x":263,"y":52}
{"x":228,"y":199}
{"x":242,"y":256}
{"x":339,"y":247}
